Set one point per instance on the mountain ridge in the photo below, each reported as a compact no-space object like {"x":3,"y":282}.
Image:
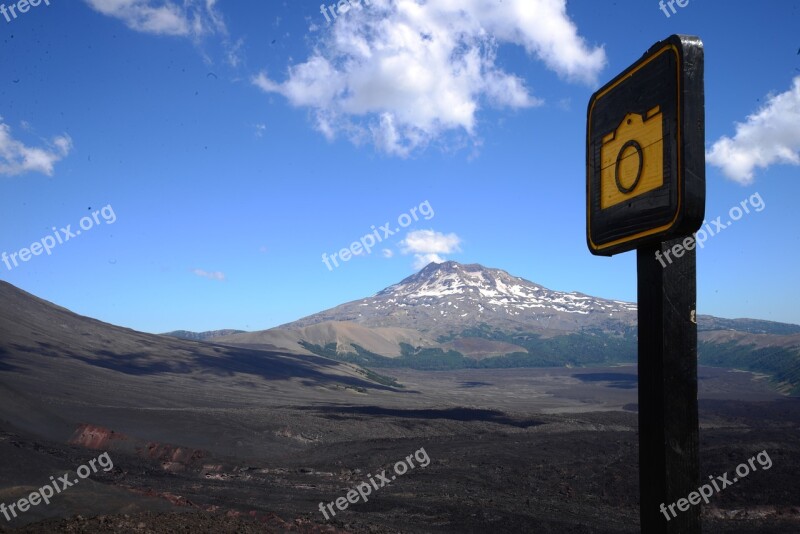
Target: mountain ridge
{"x":473,"y":316}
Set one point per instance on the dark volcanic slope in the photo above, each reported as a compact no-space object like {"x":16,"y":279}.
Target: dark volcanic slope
{"x":55,"y":365}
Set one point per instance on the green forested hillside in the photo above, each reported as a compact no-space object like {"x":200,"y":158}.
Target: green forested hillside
{"x":588,"y":348}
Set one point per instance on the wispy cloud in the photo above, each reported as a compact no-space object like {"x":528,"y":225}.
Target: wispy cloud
{"x":769,"y":136}
{"x":187,"y":18}
{"x":18,"y":158}
{"x":193,"y":19}
{"x":215,"y":275}
{"x":428,"y":246}
{"x":403,"y":74}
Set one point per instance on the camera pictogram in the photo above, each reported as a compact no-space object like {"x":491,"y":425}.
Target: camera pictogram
{"x":632,"y":158}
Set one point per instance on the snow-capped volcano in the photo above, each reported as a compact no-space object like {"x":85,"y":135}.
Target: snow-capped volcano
{"x":448,"y":298}
{"x":493,"y":288}
{"x":450,"y":315}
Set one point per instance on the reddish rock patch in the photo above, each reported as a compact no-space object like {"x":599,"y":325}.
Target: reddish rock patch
{"x":95,"y":437}
{"x":171,"y":457}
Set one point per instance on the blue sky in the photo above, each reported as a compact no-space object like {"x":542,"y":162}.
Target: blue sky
{"x":236,"y":143}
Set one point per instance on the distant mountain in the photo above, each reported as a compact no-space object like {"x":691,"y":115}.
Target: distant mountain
{"x":446,"y":298}
{"x":202,"y":336}
{"x":450,"y":315}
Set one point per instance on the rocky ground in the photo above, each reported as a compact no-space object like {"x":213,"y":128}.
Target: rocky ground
{"x":488,"y":472}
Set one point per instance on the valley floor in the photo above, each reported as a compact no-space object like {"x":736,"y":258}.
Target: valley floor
{"x":519,"y":450}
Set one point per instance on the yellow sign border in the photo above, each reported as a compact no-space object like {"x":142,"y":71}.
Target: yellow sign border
{"x":667,"y":226}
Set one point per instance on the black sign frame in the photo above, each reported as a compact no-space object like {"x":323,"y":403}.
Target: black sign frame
{"x":669,"y":76}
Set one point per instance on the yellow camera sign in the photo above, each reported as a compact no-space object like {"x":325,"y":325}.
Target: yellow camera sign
{"x":632,"y":158}
{"x":645,"y":157}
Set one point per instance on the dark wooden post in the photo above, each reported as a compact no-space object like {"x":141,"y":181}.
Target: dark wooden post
{"x":668,"y":421}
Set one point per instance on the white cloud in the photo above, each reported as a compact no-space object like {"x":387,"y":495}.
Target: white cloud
{"x":427,"y":245}
{"x":387,"y":253}
{"x":215,"y":275}
{"x":430,"y":241}
{"x":403,"y":74}
{"x":187,"y":18}
{"x":421,"y":260}
{"x":769,"y":136}
{"x":18,"y":158}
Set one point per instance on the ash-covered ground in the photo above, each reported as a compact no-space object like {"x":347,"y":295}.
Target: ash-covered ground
{"x":533,"y":450}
